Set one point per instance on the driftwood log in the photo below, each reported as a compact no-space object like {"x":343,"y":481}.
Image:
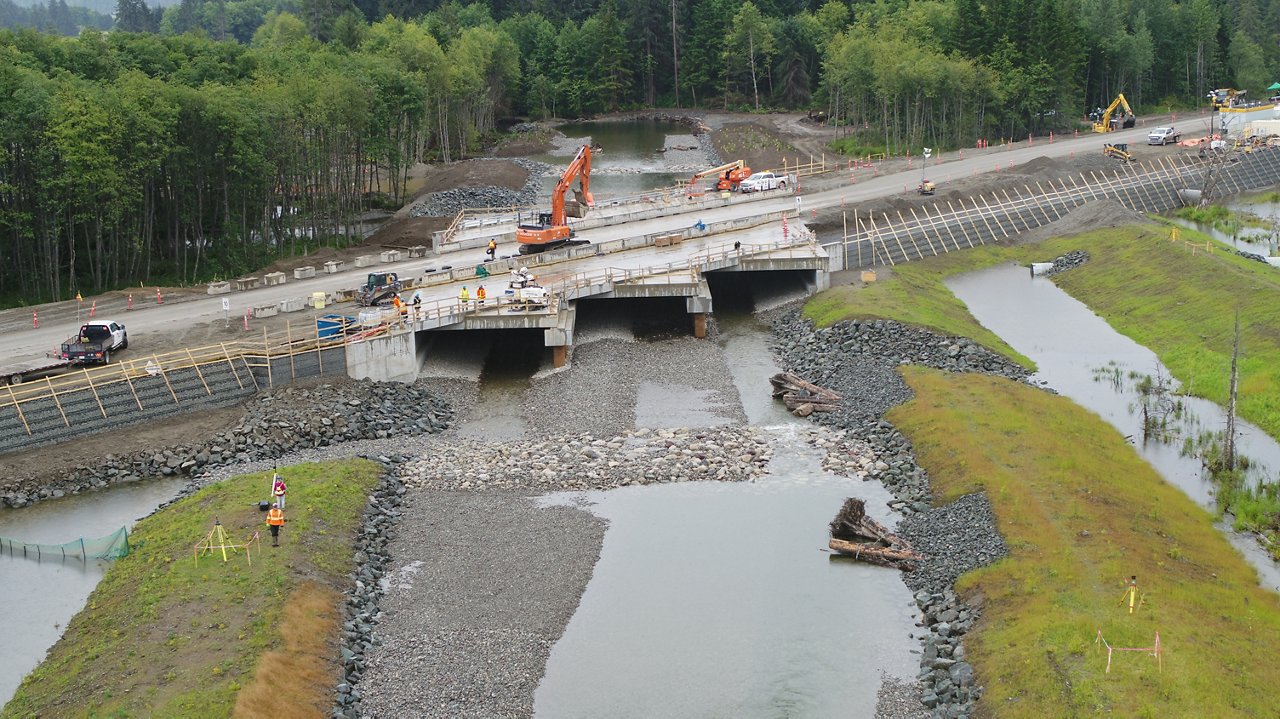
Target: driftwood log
{"x":801,"y":397}
{"x":855,"y":534}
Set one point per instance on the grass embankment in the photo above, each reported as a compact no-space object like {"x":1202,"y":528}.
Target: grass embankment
{"x":1081,"y":512}
{"x":165,"y":636}
{"x":914,"y":293}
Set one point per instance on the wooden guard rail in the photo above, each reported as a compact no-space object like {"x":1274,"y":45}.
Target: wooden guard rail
{"x":241,"y":356}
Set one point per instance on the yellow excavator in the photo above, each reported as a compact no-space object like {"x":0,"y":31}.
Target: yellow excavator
{"x":728,"y":177}
{"x":1102,"y":119}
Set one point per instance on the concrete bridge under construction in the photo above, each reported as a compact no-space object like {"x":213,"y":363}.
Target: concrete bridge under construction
{"x":398,"y":353}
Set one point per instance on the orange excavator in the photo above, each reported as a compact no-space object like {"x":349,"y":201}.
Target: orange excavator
{"x":552,"y":228}
{"x":728,"y":177}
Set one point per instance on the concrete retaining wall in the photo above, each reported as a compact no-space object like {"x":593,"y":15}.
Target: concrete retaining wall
{"x":385,"y":359}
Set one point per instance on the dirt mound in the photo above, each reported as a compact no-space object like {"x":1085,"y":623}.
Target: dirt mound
{"x":472,"y":173}
{"x":1089,"y":216}
{"x":1040,"y":166}
{"x":408,"y":231}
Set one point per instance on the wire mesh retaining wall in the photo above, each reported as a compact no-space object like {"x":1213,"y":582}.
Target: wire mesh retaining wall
{"x":154,"y":386}
{"x":112,"y":546}
{"x":886,"y":238}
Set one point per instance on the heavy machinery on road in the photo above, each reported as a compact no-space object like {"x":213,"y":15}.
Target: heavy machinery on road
{"x":552,"y":228}
{"x":1103,"y":120}
{"x":379,"y":289}
{"x":728,"y":177}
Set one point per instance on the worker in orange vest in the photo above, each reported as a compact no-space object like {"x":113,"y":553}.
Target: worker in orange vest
{"x":480,"y":294}
{"x":493,"y":249}
{"x":275,"y":520}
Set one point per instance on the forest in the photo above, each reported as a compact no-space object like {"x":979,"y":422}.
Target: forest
{"x":206,"y":138}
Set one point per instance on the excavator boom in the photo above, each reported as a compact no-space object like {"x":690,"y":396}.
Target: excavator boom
{"x":552,"y":228}
{"x":728,"y":177}
{"x":1103,"y":121}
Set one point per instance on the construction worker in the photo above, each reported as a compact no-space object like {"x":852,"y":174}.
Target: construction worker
{"x":417,"y":305}
{"x":464,"y":297}
{"x":275,"y":520}
{"x":493,"y":248}
{"x":398,"y":305}
{"x":279,"y":490}
{"x":480,"y":295}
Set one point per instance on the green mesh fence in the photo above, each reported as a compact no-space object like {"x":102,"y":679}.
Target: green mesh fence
{"x":112,"y":546}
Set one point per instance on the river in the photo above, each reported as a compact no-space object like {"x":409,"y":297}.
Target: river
{"x":1069,"y":344}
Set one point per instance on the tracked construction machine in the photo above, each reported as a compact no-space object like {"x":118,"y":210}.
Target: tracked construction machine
{"x":552,"y":228}
{"x":1109,"y":119}
{"x":379,"y":289}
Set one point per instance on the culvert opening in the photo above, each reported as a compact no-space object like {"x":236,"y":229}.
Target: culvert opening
{"x":492,"y":354}
{"x":746,"y":292}
{"x":643,"y":318}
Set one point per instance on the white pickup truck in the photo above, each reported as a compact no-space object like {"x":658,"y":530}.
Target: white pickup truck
{"x":1163,"y":136}
{"x":95,"y":342}
{"x":764,"y":181}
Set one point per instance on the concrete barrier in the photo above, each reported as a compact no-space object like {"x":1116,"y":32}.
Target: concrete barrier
{"x":417,"y":251}
{"x":272,"y":279}
{"x":333,"y":267}
{"x":262,"y":311}
{"x":246,"y":283}
{"x":293,"y":304}
{"x":303,"y":273}
{"x":219,"y":288}
{"x":366,"y":261}
{"x":391,"y":255}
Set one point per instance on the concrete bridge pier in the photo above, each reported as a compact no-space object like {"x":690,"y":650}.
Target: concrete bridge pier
{"x":699,"y":306}
{"x":560,"y":337}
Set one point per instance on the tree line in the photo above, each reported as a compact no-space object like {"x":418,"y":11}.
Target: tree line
{"x":205,"y":138}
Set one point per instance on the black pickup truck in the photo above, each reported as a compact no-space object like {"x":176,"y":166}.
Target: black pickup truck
{"x":95,"y":342}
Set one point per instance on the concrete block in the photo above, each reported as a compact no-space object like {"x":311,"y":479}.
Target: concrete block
{"x":272,"y":279}
{"x":318,"y":300}
{"x":302,"y":273}
{"x":261,"y":311}
{"x":668,"y":240}
{"x":366,"y":261}
{"x":246,"y":283}
{"x":333,"y":267}
{"x":219,"y":288}
{"x":391,"y":255}
{"x":417,"y":251}
{"x":344,"y":295}
{"x":293,"y":304}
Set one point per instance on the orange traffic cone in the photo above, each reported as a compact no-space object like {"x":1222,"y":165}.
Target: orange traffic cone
{"x":93,"y":307}
{"x":130,"y":302}
{"x":35,"y":320}
{"x":159,"y":299}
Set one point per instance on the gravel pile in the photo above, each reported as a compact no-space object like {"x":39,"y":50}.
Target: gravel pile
{"x":450,"y":202}
{"x":1069,"y":261}
{"x":482,"y":586}
{"x":580,"y":462}
{"x":274,"y":426}
{"x":858,"y":359}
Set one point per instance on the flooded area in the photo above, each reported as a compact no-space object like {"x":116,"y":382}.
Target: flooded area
{"x":45,"y":595}
{"x":1078,"y":354}
{"x":634,"y":156}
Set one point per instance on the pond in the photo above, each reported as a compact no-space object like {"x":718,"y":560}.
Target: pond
{"x":1261,"y":240}
{"x":45,"y":595}
{"x":636,"y":156}
{"x":1077,"y":354}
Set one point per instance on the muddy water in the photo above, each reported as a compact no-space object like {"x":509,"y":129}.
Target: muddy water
{"x":631,"y":160}
{"x":723,"y":595}
{"x":39,"y":598}
{"x":1068,"y":342}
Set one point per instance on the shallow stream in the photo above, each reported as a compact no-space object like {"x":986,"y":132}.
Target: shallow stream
{"x":1070,"y":344}
{"x":635,"y":156}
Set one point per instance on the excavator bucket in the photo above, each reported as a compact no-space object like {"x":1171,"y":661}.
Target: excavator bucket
{"x":578,"y":206}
